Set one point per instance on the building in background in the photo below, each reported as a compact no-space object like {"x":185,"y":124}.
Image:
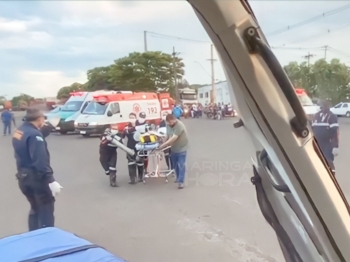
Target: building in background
{"x":222,"y":94}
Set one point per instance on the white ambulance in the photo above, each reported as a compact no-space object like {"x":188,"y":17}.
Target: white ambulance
{"x":121,"y":109}
{"x":75,"y":105}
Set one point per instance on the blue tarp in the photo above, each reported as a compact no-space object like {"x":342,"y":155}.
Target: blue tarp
{"x":52,"y":245}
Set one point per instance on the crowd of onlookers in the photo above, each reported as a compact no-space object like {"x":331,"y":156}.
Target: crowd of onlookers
{"x":197,"y":110}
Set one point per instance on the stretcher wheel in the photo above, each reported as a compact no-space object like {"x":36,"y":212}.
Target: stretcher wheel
{"x":166,"y":181}
{"x":144,"y":181}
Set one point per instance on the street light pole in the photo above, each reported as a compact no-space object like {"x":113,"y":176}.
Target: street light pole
{"x":175,"y":75}
{"x":212,"y":60}
{"x":145,"y":40}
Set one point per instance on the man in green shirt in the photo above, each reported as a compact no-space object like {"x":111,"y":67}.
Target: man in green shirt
{"x":178,"y":140}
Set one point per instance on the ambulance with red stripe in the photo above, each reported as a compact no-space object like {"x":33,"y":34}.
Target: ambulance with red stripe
{"x":76,"y":104}
{"x":121,"y":109}
{"x":309,"y":107}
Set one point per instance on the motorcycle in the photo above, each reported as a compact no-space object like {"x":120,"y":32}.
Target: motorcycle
{"x":209,"y":113}
{"x":230,"y":112}
{"x":218,"y":115}
{"x":186,"y":113}
{"x":195,"y":114}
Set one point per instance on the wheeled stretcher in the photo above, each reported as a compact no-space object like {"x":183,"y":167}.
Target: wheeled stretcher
{"x":149,"y":149}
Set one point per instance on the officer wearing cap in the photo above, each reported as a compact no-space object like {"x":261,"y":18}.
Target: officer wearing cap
{"x":325,"y":127}
{"x":34,"y":173}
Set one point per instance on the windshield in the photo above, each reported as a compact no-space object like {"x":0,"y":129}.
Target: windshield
{"x":189,"y":96}
{"x":95,"y":108}
{"x":305,"y":100}
{"x":72,"y":106}
{"x":55,"y":110}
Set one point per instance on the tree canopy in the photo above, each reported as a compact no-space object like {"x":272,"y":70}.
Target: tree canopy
{"x":65,"y":91}
{"x":148,"y":71}
{"x":22,"y":100}
{"x":98,"y":79}
{"x":156,"y":71}
{"x":321,"y":79}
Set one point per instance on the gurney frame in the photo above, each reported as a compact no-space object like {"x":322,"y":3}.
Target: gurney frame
{"x":157,"y":158}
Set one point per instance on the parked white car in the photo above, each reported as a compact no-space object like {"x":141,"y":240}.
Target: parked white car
{"x":341,"y":109}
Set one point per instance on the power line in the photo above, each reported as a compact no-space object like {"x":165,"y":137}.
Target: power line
{"x":329,"y":31}
{"x":339,"y":52}
{"x":325,"y":47}
{"x":175,"y":37}
{"x":156,"y":35}
{"x":297,"y":48}
{"x":310,"y":20}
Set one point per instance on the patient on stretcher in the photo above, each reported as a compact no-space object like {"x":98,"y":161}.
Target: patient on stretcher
{"x":150,"y":140}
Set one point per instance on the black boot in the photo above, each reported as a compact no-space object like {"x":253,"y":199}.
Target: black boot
{"x":140,"y":171}
{"x":132,"y":174}
{"x":113,"y":179}
{"x":33,"y":221}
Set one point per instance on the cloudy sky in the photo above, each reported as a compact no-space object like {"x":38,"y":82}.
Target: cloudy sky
{"x":49,"y":44}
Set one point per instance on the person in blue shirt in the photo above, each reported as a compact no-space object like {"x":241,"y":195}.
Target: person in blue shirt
{"x":7,"y":118}
{"x":34,"y":172}
{"x":177,"y":111}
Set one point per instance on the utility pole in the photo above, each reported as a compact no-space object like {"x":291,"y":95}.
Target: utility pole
{"x":308,"y":58}
{"x":175,"y":76}
{"x":145,"y":40}
{"x":325,"y":52}
{"x":212,"y":60}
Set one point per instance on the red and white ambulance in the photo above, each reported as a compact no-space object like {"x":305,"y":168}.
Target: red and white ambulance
{"x":121,"y":109}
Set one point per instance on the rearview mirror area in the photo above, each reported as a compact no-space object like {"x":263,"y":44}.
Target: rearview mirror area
{"x":109,"y":113}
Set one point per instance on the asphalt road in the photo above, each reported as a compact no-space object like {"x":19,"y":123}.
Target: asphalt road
{"x":215,"y":218}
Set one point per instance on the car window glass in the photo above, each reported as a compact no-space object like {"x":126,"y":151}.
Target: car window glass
{"x":115,"y":108}
{"x":345,"y":105}
{"x":84,"y":106}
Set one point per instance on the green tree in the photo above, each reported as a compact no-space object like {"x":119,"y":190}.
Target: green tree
{"x":332,"y":80}
{"x":322,"y":79}
{"x":98,"y":79}
{"x":301,"y":75}
{"x":65,"y":91}
{"x":21,"y":100}
{"x":149,"y":71}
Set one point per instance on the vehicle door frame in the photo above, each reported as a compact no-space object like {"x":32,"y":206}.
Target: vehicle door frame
{"x":337,"y":110}
{"x":116,"y":115}
{"x":344,"y":109}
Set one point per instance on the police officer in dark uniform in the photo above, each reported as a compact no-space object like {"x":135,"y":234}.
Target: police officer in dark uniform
{"x":325,"y":126}
{"x":34,"y":173}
